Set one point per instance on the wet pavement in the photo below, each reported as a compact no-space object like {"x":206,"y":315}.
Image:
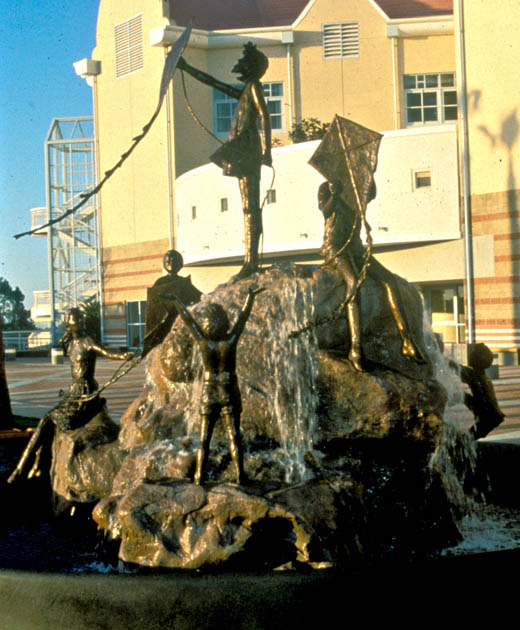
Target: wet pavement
{"x":34,"y":385}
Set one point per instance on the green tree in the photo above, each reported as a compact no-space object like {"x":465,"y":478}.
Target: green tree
{"x":308,"y":129}
{"x":12,"y":311}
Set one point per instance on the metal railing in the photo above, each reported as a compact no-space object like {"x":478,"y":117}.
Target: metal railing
{"x":23,"y":340}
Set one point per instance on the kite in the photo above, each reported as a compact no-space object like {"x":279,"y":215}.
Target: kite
{"x":170,"y":64}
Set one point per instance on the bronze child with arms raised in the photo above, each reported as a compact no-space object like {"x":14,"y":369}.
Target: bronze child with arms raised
{"x":220,"y":391}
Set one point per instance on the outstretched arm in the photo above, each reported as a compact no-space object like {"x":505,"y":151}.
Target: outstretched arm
{"x":265,"y":121}
{"x":188,"y":319}
{"x":206,"y":78}
{"x":117,"y":356}
{"x":245,"y":312}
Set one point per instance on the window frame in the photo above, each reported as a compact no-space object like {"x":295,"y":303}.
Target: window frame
{"x":222,"y":100}
{"x":140,"y":324}
{"x":425,"y":88}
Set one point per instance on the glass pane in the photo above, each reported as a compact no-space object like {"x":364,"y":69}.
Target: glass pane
{"x":132,"y":312}
{"x":450,"y":98}
{"x":409,"y":81}
{"x":413,"y":99}
{"x":276,"y":122}
{"x":420,"y":80}
{"x":274,"y":107}
{"x":450,"y":113}
{"x":430,"y":98}
{"x":448,"y":80}
{"x":432,"y":80}
{"x":430,"y":114}
{"x":142,"y":304}
{"x":276,"y":89}
{"x":223,"y":110}
{"x":413,"y":115}
{"x":133,"y":336}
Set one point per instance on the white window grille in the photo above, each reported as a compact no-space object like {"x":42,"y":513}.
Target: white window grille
{"x":430,"y":98}
{"x":135,"y":323}
{"x":341,"y":40}
{"x":224,"y":108}
{"x":129,"y":48}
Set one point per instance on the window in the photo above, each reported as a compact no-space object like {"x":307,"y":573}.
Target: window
{"x":422,"y":179}
{"x":271,"y":196}
{"x":223,"y":204}
{"x":224,"y":108}
{"x":430,"y":98}
{"x":341,"y":40}
{"x":274,"y":97}
{"x":129,"y":46}
{"x":135,"y":323}
{"x":193,"y":212}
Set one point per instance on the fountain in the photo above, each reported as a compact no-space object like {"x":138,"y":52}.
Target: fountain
{"x":352,"y":460}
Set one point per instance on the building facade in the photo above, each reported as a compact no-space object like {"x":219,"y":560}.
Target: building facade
{"x":391,"y":65}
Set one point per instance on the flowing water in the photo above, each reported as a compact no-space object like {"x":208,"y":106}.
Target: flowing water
{"x":293,"y":365}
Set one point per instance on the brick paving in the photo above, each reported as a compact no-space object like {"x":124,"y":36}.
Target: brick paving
{"x":34,"y":385}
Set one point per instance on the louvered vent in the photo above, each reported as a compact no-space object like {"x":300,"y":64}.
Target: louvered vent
{"x":341,"y":40}
{"x":129,"y":46}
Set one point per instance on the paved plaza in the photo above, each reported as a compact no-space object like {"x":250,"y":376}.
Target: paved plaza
{"x":34,"y":386}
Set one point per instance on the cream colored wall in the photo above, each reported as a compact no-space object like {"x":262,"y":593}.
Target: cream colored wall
{"x":492,"y":53}
{"x":134,"y":202}
{"x":399,"y":214}
{"x":361,"y":89}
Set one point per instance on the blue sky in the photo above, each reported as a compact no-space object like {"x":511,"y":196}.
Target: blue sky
{"x":39,"y":41}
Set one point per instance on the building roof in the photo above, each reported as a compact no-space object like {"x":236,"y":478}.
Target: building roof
{"x":397,"y":9}
{"x":230,"y":14}
{"x":218,"y":15}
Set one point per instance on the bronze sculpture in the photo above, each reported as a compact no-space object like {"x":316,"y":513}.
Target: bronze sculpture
{"x":344,"y":251}
{"x":483,"y":400}
{"x":160,"y":308}
{"x":82,"y":351}
{"x":220,"y":391}
{"x":245,"y":150}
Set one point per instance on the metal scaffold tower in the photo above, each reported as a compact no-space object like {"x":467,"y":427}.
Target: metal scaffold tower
{"x":73,"y":242}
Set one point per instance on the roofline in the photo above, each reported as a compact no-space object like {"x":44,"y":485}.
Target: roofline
{"x":384,"y":15}
{"x":379,"y":9}
{"x":302,"y":15}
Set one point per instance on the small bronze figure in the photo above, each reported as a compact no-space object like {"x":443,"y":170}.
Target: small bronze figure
{"x":483,"y":400}
{"x":160,"y":308}
{"x":220,"y":391}
{"x":343,"y":250}
{"x":246,"y":150}
{"x":82,"y":351}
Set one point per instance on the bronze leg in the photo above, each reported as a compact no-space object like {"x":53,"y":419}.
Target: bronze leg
{"x":232,"y":421}
{"x":207,"y":424}
{"x":250,"y":193}
{"x":354,"y":355}
{"x":408,"y":349}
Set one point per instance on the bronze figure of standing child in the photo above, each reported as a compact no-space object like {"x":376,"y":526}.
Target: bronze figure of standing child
{"x":243,"y":154}
{"x":220,"y":391}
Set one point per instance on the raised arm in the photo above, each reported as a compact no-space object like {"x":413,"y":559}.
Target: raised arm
{"x":265,"y":121}
{"x":206,"y":78}
{"x":237,"y":329}
{"x":188,"y":319}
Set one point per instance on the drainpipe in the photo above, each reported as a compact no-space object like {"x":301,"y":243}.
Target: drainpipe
{"x":466,"y":178}
{"x":99,"y":267}
{"x":288,"y":39}
{"x":392,"y":31}
{"x":169,"y":165}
